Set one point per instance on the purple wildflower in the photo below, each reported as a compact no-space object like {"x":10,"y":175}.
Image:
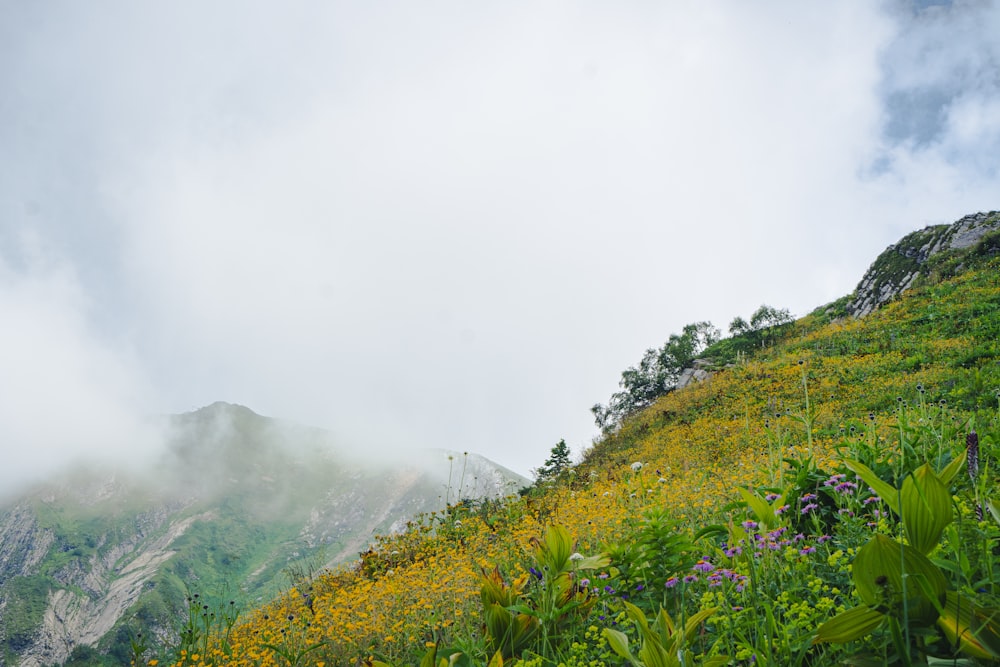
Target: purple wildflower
{"x":972,"y":454}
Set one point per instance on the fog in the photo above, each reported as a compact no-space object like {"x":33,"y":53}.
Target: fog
{"x":445,"y":225}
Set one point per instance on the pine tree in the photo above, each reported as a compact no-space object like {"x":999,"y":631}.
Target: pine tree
{"x":557,"y":463}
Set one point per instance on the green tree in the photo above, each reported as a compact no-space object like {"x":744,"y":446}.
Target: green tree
{"x":557,"y":463}
{"x":656,"y":374}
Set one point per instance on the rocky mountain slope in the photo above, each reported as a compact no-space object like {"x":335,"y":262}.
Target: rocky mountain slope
{"x":96,"y":556}
{"x":933,"y":252}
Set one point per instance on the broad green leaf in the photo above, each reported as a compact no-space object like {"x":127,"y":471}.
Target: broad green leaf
{"x":994,"y":509}
{"x":878,"y":573}
{"x":761,"y":509}
{"x":694,"y":623}
{"x":430,"y":658}
{"x":713,"y":530}
{"x":618,"y":643}
{"x":652,"y":653}
{"x":558,"y":546}
{"x":593,"y":562}
{"x":926,"y":508}
{"x":958,"y":463}
{"x":887,"y":492}
{"x":716,"y":661}
{"x":664,"y":626}
{"x":974,"y":629}
{"x":637,"y":615}
{"x":849,"y":625}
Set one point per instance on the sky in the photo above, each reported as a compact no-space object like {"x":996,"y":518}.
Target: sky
{"x":446,"y":224}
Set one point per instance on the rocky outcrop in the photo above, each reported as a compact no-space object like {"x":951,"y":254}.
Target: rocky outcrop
{"x":901,"y":264}
{"x":108,"y":589}
{"x":699,"y":371}
{"x":23,"y":544}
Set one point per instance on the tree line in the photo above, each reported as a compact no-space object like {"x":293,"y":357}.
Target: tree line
{"x":660,"y":368}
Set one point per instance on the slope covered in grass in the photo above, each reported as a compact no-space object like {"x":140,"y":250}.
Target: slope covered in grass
{"x":661,"y":497}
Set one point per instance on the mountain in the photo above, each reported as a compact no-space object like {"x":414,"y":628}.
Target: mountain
{"x":935,"y":252}
{"x":93,"y":556}
{"x":735,"y":503}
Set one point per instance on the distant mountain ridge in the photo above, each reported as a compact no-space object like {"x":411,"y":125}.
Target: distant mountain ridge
{"x":234,"y":499}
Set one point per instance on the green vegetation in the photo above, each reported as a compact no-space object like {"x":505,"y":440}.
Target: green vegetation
{"x":556,"y":466}
{"x":829,"y":498}
{"x":25,"y":599}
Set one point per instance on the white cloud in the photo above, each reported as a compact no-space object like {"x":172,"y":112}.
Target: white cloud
{"x":66,"y":393}
{"x":454,"y":225}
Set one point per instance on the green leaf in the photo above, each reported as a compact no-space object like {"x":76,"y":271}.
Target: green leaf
{"x":887,"y":492}
{"x":664,"y":626}
{"x":557,"y":547}
{"x":994,"y":509}
{"x":949,"y":471}
{"x":652,"y":653}
{"x":430,"y":658}
{"x":974,"y":629}
{"x":878,"y":572}
{"x":694,"y":623}
{"x":713,"y":530}
{"x":761,"y":509}
{"x":618,"y":643}
{"x":716,"y":661}
{"x":926,"y":508}
{"x":637,"y":615}
{"x":849,"y":626}
{"x":593,"y":562}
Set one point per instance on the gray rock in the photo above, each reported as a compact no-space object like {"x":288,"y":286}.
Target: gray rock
{"x":902,"y":263}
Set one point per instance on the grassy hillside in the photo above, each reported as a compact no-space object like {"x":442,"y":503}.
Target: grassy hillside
{"x":758,"y":508}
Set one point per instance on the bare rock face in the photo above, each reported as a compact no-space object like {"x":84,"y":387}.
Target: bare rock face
{"x":23,"y":544}
{"x":109,"y":588}
{"x":697,"y":372}
{"x":901,"y":264}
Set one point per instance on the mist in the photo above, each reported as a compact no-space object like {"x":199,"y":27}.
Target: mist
{"x":451,"y":226}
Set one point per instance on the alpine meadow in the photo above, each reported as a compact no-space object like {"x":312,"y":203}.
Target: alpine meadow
{"x":811,"y":491}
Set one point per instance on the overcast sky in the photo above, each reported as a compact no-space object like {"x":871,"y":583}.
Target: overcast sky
{"x":446,"y":224}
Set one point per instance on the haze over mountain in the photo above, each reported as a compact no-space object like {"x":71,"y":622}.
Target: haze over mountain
{"x":450,"y":227}
{"x":235,"y":499}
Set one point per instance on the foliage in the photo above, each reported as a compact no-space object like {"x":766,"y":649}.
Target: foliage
{"x":663,"y":644}
{"x":656,"y":373}
{"x":22,"y":612}
{"x":557,"y":465}
{"x":753,"y":515}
